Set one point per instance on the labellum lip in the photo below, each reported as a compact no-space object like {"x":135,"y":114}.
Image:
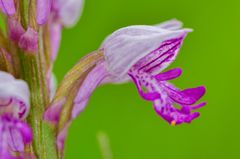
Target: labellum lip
{"x":14,"y":135}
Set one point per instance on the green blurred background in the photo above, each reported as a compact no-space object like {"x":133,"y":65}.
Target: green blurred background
{"x":210,"y":56}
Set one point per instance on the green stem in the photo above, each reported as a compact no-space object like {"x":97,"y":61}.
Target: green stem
{"x":44,"y":139}
{"x":33,"y":71}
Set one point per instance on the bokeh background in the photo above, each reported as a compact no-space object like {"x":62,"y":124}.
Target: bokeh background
{"x":210,"y":56}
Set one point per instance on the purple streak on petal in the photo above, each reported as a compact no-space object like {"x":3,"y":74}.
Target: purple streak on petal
{"x":55,"y":37}
{"x":5,"y":102}
{"x":29,"y":41}
{"x":186,"y":97}
{"x":169,"y":75}
{"x":52,"y":114}
{"x":43,"y":11}
{"x":15,"y":140}
{"x":165,"y":54}
{"x":14,"y":96}
{"x":131,"y":47}
{"x":8,"y":7}
{"x":15,"y":30}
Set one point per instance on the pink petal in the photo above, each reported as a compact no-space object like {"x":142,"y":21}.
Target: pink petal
{"x":55,"y":37}
{"x":169,"y":75}
{"x":187,"y":97}
{"x":143,"y":47}
{"x":162,"y":57}
{"x":8,"y":7}
{"x":70,"y":11}
{"x":43,"y":11}
{"x":94,"y":78}
{"x":195,"y":93}
{"x":29,"y":41}
{"x":15,"y":29}
{"x":52,"y":114}
{"x":62,"y":136}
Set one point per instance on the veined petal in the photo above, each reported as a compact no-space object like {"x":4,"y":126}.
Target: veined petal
{"x":15,"y":30}
{"x":91,"y":81}
{"x":14,"y":135}
{"x":94,"y":79}
{"x":168,"y":95}
{"x":14,"y":96}
{"x":159,"y":59}
{"x":188,"y":96}
{"x":8,"y":7}
{"x":43,"y":11}
{"x":149,"y":47}
{"x":69,"y":11}
{"x":29,"y":41}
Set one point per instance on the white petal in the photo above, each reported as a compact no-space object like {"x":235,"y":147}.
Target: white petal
{"x":172,"y":24}
{"x":70,"y":11}
{"x":126,"y":46}
{"x":13,"y":88}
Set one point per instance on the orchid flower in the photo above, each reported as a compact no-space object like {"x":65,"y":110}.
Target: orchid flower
{"x":147,"y":51}
{"x":14,"y":108}
{"x":138,"y":54}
